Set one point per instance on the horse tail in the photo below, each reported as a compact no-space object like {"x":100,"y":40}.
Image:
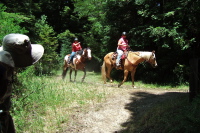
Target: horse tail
{"x":103,"y":72}
{"x":65,"y":68}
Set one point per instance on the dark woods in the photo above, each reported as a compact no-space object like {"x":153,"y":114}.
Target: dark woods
{"x":169,"y":27}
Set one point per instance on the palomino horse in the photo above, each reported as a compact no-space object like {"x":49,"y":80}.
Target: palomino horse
{"x":78,"y":63}
{"x":129,"y":64}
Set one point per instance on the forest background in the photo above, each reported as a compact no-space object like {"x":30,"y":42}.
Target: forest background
{"x":169,"y":27}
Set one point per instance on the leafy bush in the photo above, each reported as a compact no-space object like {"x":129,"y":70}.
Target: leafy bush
{"x":64,"y":40}
{"x":10,"y":22}
{"x":47,"y":38}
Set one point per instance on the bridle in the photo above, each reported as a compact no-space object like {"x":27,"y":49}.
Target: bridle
{"x":152,"y":55}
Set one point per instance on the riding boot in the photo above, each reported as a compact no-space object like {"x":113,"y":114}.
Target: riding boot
{"x":118,"y":63}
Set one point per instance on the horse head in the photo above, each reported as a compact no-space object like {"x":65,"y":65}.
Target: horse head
{"x":87,"y":53}
{"x":152,"y":59}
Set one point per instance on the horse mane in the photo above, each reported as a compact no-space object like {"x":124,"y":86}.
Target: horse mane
{"x":144,"y":54}
{"x":135,"y":52}
{"x":141,"y":52}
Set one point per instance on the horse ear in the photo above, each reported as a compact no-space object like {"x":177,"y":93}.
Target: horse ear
{"x":153,"y":51}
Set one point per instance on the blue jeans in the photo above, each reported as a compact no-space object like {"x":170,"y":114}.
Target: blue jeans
{"x":120,"y":52}
{"x":71,"y":56}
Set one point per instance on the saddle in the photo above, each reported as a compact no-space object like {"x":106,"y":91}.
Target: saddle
{"x":124,"y":55}
{"x":80,"y":52}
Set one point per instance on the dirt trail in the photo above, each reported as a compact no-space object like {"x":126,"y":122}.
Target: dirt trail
{"x":121,"y":108}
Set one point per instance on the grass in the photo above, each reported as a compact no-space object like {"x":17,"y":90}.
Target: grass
{"x":140,"y":84}
{"x":46,"y":103}
{"x":174,"y":116}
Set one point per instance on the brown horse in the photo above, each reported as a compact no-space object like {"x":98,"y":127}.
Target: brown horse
{"x":78,"y":63}
{"x":129,"y":64}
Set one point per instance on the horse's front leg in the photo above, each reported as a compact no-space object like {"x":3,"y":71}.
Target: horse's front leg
{"x":75,"y":73}
{"x":84,"y":74}
{"x":132,"y":77}
{"x":125,"y":77}
{"x":70,"y":75}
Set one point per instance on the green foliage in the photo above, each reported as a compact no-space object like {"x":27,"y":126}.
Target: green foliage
{"x":65,"y":40}
{"x":96,"y":36}
{"x":172,"y":28}
{"x":48,"y":39}
{"x":10,"y":22}
{"x":151,"y":25}
{"x":158,"y":32}
{"x":46,"y":102}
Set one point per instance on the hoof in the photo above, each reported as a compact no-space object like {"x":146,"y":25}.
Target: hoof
{"x":134,"y":87}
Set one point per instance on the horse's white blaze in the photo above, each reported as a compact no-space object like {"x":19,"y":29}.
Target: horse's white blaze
{"x":154,"y":56}
{"x":83,"y":52}
{"x":89,"y":53}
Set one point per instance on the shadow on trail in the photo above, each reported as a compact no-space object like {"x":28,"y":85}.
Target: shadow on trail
{"x":142,"y":102}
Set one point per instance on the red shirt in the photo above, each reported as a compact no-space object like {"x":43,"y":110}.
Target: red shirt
{"x":76,"y":47}
{"x":123,"y":41}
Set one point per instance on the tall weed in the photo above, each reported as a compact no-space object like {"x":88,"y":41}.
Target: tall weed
{"x":45,"y":102}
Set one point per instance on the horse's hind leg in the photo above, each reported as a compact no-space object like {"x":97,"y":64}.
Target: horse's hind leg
{"x":125,"y":77}
{"x":65,"y":68}
{"x":70,"y":75}
{"x":75,"y":73}
{"x":132,"y":77}
{"x":64,"y":73}
{"x":84,"y":74}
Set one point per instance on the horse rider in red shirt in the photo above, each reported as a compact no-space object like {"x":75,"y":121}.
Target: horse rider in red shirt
{"x":122,"y":46}
{"x":76,"y":46}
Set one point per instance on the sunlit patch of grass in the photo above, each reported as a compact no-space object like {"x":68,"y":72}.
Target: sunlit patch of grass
{"x":140,"y":84}
{"x":44,"y":103}
{"x":47,"y":102}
